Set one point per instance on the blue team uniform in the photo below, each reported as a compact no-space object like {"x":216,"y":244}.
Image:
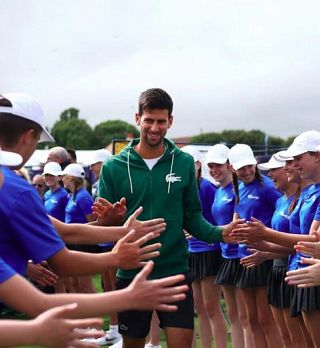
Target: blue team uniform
{"x":6,"y":272}
{"x":222,"y":211}
{"x":78,"y":206}
{"x":26,"y":232}
{"x":309,"y":211}
{"x":207,"y":195}
{"x":55,"y":203}
{"x":258,"y":200}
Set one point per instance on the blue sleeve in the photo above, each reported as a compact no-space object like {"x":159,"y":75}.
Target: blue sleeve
{"x":317,"y":214}
{"x":33,"y":231}
{"x":6,"y":271}
{"x":272,"y":195}
{"x":85,"y":203}
{"x":207,"y":193}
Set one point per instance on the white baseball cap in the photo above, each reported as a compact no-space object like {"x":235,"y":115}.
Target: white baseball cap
{"x":74,"y":169}
{"x":99,"y":156}
{"x":274,"y":162}
{"x":24,"y":105}
{"x":305,"y":142}
{"x":281,"y":156}
{"x":9,"y":158}
{"x":217,"y":154}
{"x":241,"y":155}
{"x":52,"y":168}
{"x":191,"y":150}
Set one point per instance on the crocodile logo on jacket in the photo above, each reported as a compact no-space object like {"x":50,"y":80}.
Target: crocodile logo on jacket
{"x":172,"y":178}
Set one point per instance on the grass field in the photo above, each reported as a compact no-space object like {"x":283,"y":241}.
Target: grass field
{"x":97,"y":282}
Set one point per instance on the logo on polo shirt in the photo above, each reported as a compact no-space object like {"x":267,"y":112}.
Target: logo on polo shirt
{"x":253,"y":197}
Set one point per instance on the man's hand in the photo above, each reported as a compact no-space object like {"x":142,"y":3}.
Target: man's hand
{"x":250,"y":232}
{"x":227,"y":230}
{"x":108,"y":214}
{"x":54,"y":329}
{"x":158,"y":294}
{"x":41,"y":275}
{"x":305,"y":277}
{"x":255,"y":259}
{"x":130,"y":253}
{"x":156,"y":226}
{"x":310,"y":248}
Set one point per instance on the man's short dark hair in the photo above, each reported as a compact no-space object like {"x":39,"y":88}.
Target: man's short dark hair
{"x":12,"y":127}
{"x":155,"y":98}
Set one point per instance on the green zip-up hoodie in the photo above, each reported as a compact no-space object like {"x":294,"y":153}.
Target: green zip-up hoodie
{"x":167,"y":191}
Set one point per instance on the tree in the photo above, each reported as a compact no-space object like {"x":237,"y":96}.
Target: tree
{"x":104,"y":132}
{"x":72,"y":132}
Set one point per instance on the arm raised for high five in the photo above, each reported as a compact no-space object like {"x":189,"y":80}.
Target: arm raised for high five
{"x":52,"y":328}
{"x":255,"y":231}
{"x":129,"y":253}
{"x":159,"y":294}
{"x":90,"y":234}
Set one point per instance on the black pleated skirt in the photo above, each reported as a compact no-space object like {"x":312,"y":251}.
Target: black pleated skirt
{"x":306,"y":300}
{"x":204,"y":264}
{"x":279,"y":292}
{"x":227,"y":274}
{"x":253,"y":277}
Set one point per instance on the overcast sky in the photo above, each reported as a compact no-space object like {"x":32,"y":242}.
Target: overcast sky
{"x":226,"y":64}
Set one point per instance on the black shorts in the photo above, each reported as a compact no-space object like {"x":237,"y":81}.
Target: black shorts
{"x":136,"y":324}
{"x":204,"y":264}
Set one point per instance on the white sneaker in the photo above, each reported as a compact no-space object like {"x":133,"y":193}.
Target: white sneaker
{"x":108,"y":339}
{"x":149,"y":345}
{"x":117,"y":345}
{"x":90,"y":331}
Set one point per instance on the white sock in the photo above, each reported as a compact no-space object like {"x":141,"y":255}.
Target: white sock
{"x":114,"y":330}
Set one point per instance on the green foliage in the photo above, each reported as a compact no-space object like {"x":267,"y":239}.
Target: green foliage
{"x":113,"y":129}
{"x":72,"y":132}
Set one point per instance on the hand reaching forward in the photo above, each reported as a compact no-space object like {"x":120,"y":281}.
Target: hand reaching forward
{"x":156,"y":226}
{"x":255,"y":259}
{"x":54,"y":329}
{"x":250,"y":232}
{"x":109,"y":214}
{"x":130,"y":252}
{"x":305,"y":277}
{"x":159,"y":294}
{"x":227,"y":232}
{"x":310,"y":248}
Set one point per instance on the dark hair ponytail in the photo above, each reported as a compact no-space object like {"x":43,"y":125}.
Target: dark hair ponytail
{"x":235,"y":184}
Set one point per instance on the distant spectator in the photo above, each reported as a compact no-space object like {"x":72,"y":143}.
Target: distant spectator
{"x":60,"y":155}
{"x":72,"y":156}
{"x":39,"y":184}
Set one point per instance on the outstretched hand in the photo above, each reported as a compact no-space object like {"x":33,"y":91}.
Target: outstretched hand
{"x":159,"y":294}
{"x":310,"y":248}
{"x":250,"y":232}
{"x":109,"y":214}
{"x":255,"y":259}
{"x":41,"y":275}
{"x":227,"y":230}
{"x":156,"y":226}
{"x":56,"y":330}
{"x":130,"y":252}
{"x":305,"y":277}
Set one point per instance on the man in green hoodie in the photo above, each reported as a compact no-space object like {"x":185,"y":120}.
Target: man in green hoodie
{"x":153,"y":173}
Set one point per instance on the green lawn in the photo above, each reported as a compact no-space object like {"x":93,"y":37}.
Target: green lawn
{"x":97,"y":282}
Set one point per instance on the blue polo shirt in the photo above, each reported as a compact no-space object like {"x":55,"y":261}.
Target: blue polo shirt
{"x":222,"y":211}
{"x":309,"y":211}
{"x":78,"y":206}
{"x":55,"y":203}
{"x":207,"y":195}
{"x":26,"y":232}
{"x":258,"y":200}
{"x":6,"y":272}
